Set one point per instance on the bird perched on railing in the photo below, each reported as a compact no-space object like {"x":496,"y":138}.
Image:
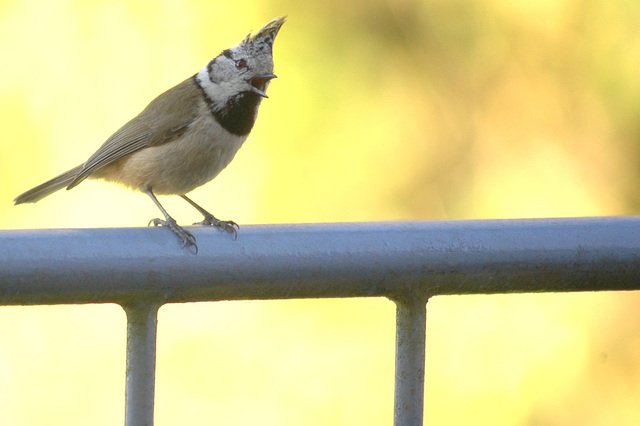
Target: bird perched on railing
{"x":185,"y":136}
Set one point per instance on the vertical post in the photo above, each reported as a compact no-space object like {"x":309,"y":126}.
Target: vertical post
{"x":142,"y":322}
{"x":411,"y":316}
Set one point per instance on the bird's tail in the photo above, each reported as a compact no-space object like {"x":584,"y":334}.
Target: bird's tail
{"x":49,"y":187}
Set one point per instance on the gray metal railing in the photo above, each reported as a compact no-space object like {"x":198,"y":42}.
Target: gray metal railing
{"x":143,"y":268}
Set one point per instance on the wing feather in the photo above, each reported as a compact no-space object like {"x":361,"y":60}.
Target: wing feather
{"x":167,"y":117}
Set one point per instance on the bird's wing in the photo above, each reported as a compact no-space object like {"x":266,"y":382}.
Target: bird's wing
{"x":160,"y":122}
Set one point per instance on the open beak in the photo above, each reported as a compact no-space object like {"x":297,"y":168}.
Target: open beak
{"x":259,"y":84}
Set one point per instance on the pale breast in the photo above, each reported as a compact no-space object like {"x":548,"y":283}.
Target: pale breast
{"x":179,"y":166}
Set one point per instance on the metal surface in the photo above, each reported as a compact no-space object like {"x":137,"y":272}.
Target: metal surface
{"x":141,"y":363}
{"x":411,"y":316}
{"x":305,"y":261}
{"x":408,"y":262}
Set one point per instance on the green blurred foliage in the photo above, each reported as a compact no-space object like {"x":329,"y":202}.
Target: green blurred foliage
{"x":383,"y":110}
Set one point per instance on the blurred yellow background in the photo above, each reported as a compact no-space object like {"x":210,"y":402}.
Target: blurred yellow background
{"x":383,"y":110}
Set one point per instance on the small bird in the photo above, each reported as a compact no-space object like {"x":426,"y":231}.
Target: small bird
{"x":185,"y":136}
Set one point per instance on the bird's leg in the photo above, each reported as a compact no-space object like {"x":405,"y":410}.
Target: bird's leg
{"x":209,"y":219}
{"x":187,"y":238}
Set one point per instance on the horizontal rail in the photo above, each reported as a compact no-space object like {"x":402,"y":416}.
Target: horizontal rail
{"x":392,"y":259}
{"x":408,"y":262}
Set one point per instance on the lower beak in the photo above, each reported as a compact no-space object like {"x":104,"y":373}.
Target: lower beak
{"x":259,"y":84}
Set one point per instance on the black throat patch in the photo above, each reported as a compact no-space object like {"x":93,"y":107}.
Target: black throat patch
{"x":238,"y":114}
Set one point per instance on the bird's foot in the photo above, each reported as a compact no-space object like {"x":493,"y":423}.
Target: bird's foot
{"x":188,"y":240}
{"x":224,"y":225}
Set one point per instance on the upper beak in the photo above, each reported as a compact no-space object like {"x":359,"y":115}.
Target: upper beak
{"x":259,"y":83}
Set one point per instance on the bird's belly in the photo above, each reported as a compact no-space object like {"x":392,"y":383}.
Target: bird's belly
{"x":179,"y":166}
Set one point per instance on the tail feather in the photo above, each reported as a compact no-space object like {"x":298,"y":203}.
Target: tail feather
{"x":49,"y":187}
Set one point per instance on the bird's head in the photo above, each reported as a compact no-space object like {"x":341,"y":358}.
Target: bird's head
{"x":244,"y":69}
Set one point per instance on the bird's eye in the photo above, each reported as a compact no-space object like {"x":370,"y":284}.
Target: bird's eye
{"x":241,"y":63}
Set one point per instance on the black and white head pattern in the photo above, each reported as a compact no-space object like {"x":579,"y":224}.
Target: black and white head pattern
{"x":236,"y":80}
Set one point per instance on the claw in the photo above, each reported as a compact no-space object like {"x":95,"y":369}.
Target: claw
{"x":224,"y":225}
{"x":187,"y":238}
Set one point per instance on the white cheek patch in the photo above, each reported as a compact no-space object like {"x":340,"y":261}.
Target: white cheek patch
{"x":220,"y":88}
{"x":205,"y":82}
